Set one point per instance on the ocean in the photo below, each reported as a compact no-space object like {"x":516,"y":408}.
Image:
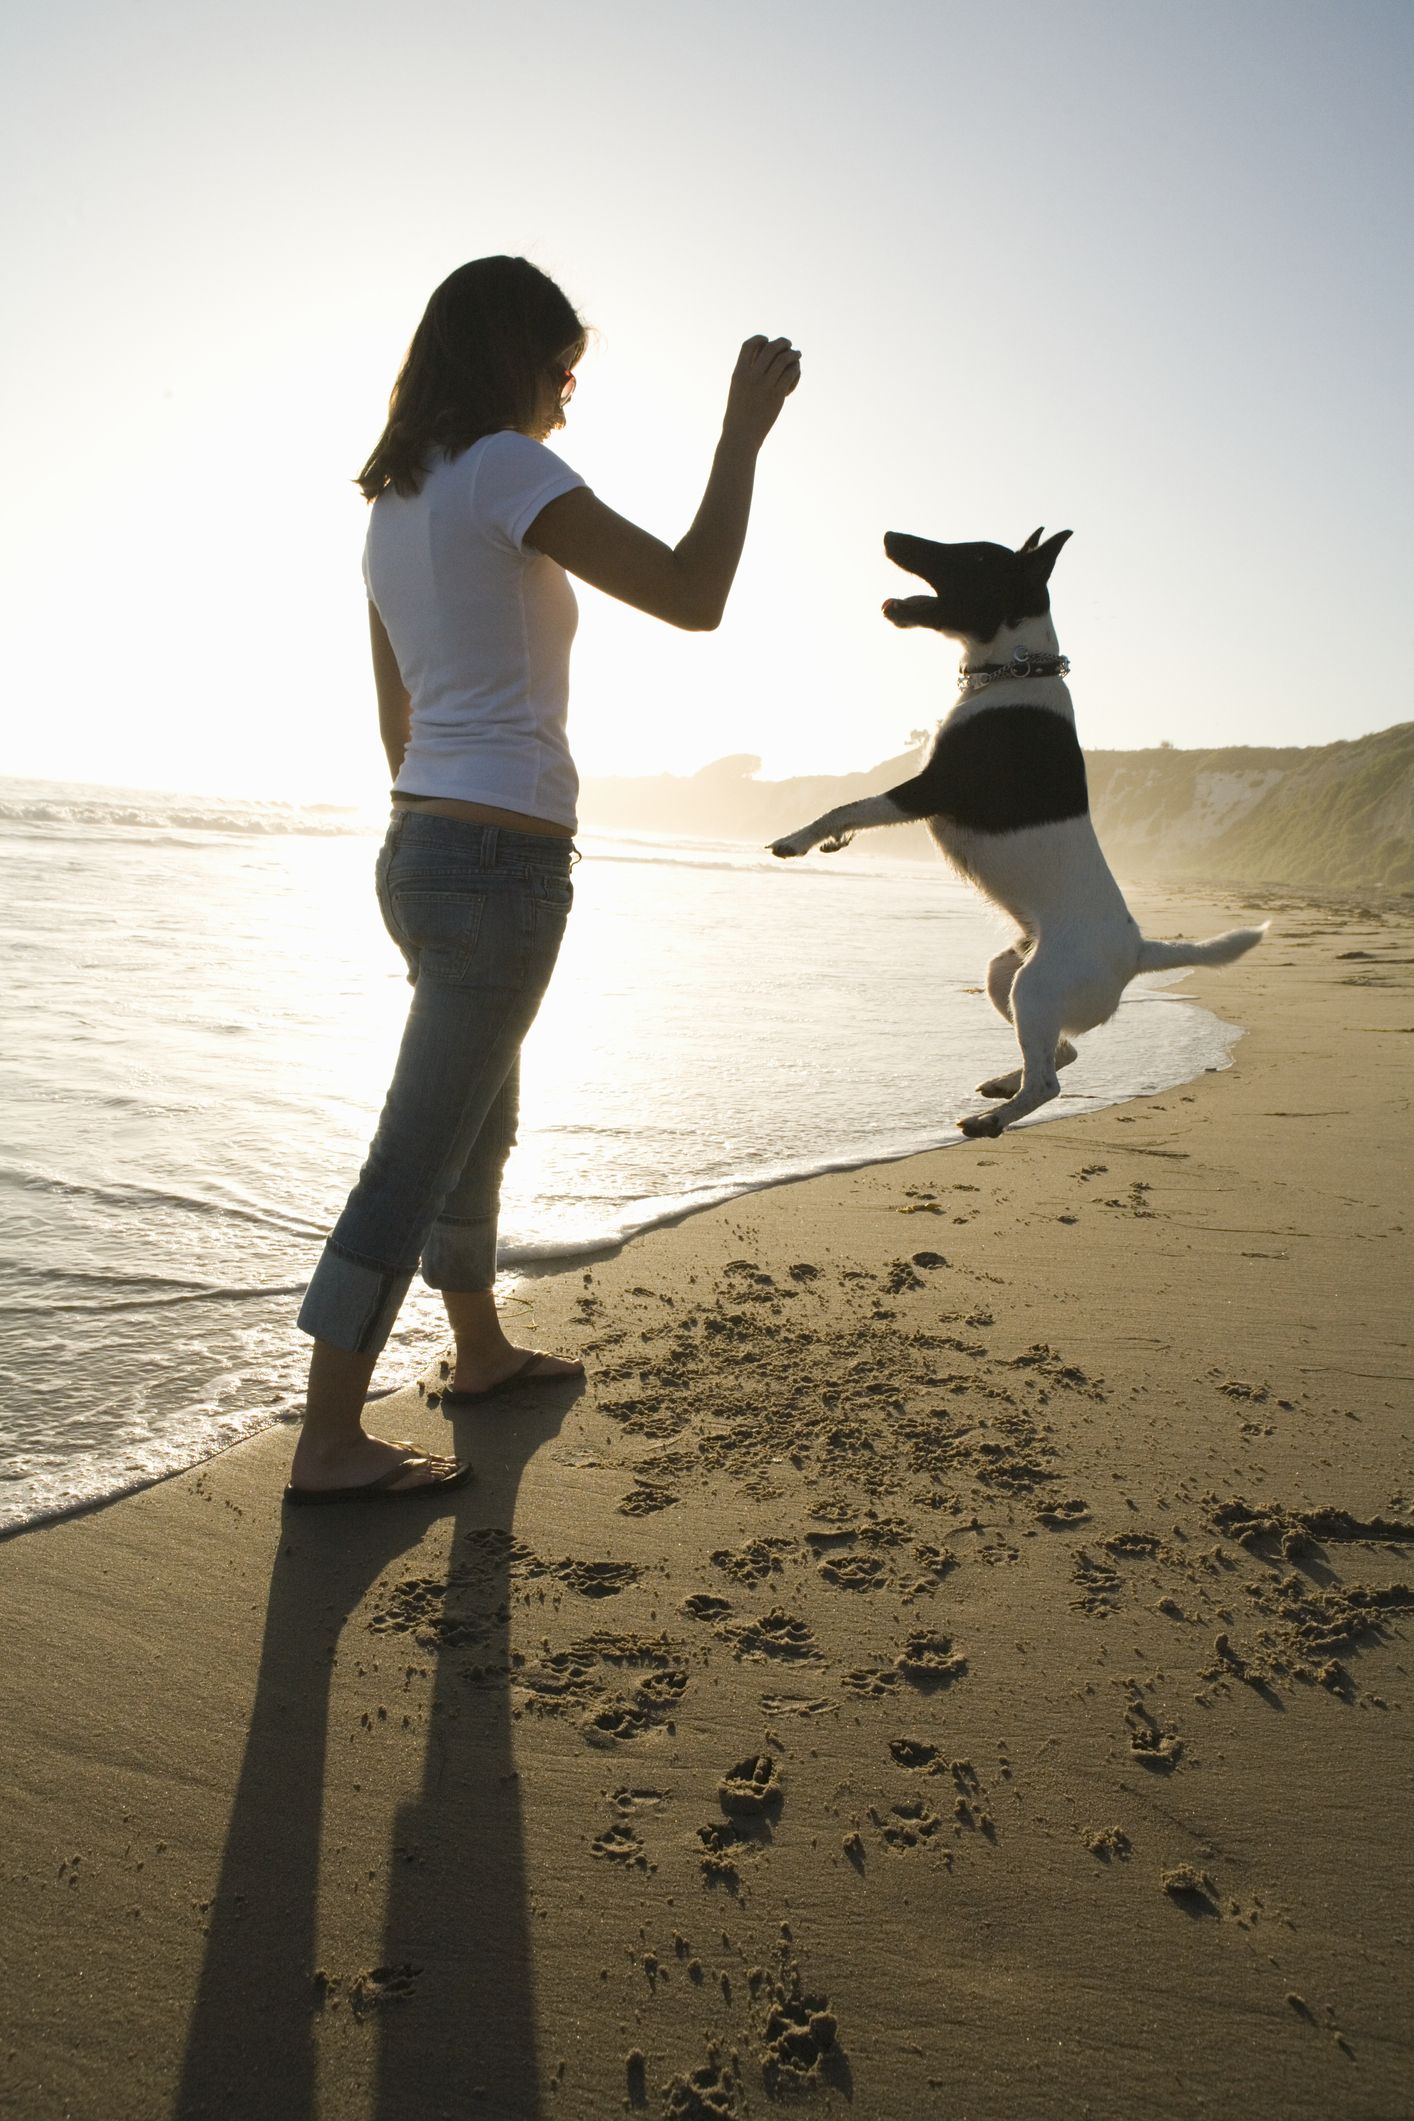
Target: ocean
{"x":204,"y":1009}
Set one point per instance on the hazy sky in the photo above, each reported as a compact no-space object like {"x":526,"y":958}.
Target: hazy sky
{"x":1125,"y":266}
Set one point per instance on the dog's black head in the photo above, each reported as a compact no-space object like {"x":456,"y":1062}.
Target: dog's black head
{"x":977,"y":589}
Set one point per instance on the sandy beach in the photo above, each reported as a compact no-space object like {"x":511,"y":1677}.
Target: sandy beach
{"x":951,"y":1657}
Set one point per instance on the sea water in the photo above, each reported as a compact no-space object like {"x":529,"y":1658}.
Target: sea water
{"x":203,"y":1010}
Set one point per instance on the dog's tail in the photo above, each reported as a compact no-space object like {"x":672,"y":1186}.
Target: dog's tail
{"x":1217,"y":950}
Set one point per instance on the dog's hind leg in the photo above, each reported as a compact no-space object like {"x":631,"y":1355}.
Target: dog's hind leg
{"x":1001,"y":972}
{"x":1008,"y":1085}
{"x":1001,"y":975}
{"x":1036,"y":1012}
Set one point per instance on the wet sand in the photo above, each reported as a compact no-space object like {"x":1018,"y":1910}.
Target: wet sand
{"x":952,"y":1657}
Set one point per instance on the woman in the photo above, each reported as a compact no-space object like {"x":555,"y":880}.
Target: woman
{"x":474,"y":525}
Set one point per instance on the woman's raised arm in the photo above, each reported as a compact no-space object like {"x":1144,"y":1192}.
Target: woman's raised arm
{"x":686,"y":584}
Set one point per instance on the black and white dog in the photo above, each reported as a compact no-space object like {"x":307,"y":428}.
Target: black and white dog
{"x":1004,"y":795}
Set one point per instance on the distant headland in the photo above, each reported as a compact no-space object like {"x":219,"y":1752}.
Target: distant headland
{"x":1331,"y":817}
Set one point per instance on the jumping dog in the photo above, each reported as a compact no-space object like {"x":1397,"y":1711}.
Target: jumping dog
{"x":1004,"y":795}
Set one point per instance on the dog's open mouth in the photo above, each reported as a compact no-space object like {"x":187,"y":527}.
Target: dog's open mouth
{"x":909,"y":611}
{"x":911,"y":554}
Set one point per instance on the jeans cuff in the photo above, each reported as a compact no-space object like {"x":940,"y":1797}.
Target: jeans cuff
{"x":461,"y":1255}
{"x":352,"y":1304}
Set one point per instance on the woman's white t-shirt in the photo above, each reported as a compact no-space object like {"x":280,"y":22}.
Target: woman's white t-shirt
{"x":481,"y":626}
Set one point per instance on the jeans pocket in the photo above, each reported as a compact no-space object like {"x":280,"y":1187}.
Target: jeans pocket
{"x":442,"y":927}
{"x":383,"y":889}
{"x":554,"y":891}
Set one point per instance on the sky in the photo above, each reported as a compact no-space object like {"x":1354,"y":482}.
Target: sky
{"x":1136,"y":270}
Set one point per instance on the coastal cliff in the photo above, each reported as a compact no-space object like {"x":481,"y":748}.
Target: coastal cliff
{"x":1327,"y":817}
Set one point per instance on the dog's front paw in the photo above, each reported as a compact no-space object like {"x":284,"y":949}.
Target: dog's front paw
{"x":785,"y":849}
{"x":975,"y":1123}
{"x":836,"y":843}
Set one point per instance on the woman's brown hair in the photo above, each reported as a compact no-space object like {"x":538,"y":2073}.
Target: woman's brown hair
{"x":488,"y":337}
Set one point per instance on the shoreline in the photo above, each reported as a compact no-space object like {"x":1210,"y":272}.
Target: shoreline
{"x":533,"y":1268}
{"x":951,"y":1655}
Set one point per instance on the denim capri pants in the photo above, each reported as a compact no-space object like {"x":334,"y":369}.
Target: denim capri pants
{"x":479,"y":913}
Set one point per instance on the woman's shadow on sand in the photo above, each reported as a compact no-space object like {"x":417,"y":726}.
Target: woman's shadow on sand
{"x":449,"y":2000}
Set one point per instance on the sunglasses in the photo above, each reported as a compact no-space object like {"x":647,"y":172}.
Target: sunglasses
{"x":567,"y":382}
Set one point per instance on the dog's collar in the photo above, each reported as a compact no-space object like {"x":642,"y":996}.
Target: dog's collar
{"x":1023,"y":664}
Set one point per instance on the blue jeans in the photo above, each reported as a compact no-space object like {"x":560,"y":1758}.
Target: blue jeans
{"x":479,"y":913}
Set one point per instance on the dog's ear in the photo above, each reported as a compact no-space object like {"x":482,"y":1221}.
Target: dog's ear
{"x":1031,"y":543}
{"x":1044,"y":557}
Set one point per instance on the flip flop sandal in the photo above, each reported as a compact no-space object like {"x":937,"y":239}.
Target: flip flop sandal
{"x":382,"y":1489}
{"x":519,"y":1378}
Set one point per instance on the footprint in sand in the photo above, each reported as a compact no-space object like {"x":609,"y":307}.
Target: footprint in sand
{"x":855,"y":1572}
{"x":706,"y":2094}
{"x":629,"y":1801}
{"x":1098,"y":1583}
{"x":775,"y":1634}
{"x":645,"y":1501}
{"x":1059,"y":1515}
{"x":1133,"y":1545}
{"x":619,"y":1844}
{"x":914,"y":1753}
{"x":752,"y":1788}
{"x":799,"y":2050}
{"x":909,"y":1824}
{"x":631,"y":1716}
{"x":573,"y":1681}
{"x":869,"y":1679}
{"x":840,"y":1535}
{"x":379,"y":1986}
{"x":721,"y":1845}
{"x":596,"y":1579}
{"x":1152,"y":1747}
{"x":419,"y":1606}
{"x":752,"y":1564}
{"x":928,"y":1660}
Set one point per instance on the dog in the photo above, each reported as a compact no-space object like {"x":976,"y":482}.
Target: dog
{"x":1004,"y":795}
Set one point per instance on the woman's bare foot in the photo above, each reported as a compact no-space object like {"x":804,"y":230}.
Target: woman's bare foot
{"x":485,"y":1358}
{"x":363,"y":1460}
{"x":482,"y":1371}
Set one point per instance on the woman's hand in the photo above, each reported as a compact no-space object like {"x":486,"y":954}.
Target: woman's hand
{"x":686,"y":584}
{"x":766,"y":372}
